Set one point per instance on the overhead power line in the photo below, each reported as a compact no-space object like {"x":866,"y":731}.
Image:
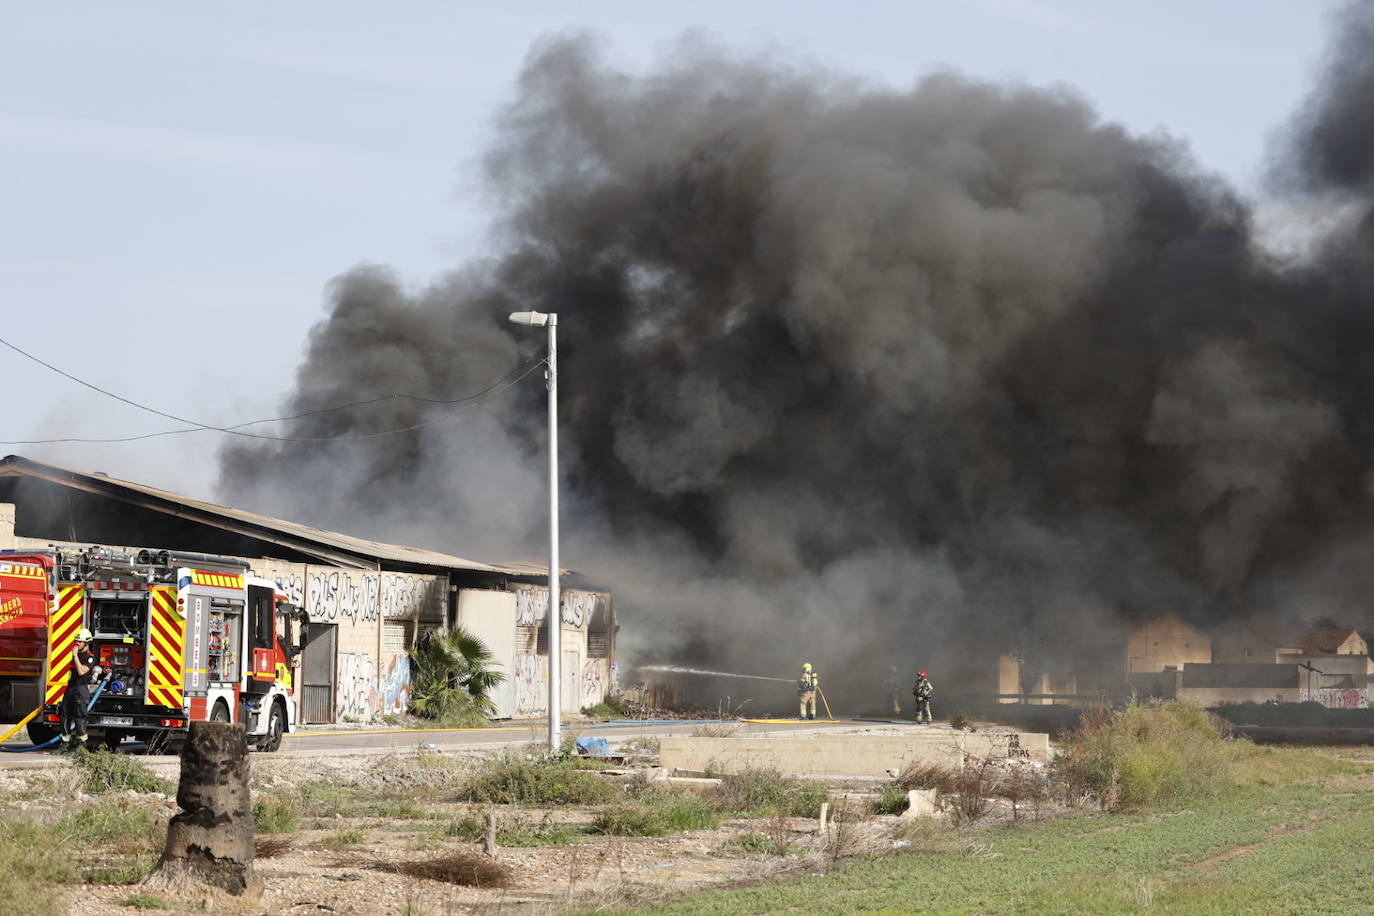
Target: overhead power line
{"x":508,"y":380}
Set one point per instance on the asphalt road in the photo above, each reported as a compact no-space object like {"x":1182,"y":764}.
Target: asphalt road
{"x":332,"y":741}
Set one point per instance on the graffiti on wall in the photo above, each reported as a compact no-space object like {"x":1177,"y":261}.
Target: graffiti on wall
{"x":396,"y":686}
{"x":334,"y":594}
{"x":356,"y":697}
{"x":293,"y":586}
{"x":530,"y":605}
{"x":578,"y":607}
{"x":592,"y":684}
{"x":1336,"y":697}
{"x":530,"y":693}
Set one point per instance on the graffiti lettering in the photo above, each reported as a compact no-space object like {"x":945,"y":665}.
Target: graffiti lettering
{"x":592,"y":687}
{"x":293,"y":587}
{"x":1336,"y":697}
{"x":357,"y":698}
{"x":577,"y":607}
{"x":530,"y":689}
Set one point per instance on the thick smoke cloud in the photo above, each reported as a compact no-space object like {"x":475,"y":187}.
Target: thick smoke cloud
{"x":866,"y":375}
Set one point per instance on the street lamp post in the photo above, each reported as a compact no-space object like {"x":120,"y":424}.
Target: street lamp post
{"x":554,"y":618}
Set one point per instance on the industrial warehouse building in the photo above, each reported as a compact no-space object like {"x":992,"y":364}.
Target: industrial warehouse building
{"x":368,"y":602}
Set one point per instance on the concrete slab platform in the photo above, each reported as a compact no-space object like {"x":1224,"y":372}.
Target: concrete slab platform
{"x":853,"y":755}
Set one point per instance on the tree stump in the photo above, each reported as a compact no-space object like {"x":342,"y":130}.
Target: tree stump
{"x":210,"y":842}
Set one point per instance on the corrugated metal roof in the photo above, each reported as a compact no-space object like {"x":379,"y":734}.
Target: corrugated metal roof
{"x":329,"y":545}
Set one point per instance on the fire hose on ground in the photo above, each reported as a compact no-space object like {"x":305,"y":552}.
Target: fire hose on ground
{"x":99,"y":689}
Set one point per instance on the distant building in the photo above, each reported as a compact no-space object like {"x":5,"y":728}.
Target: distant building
{"x":1326,"y":641}
{"x":1167,"y":641}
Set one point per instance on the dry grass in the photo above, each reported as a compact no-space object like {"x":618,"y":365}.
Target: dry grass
{"x":716,"y":730}
{"x":269,"y":847}
{"x":929,"y":776}
{"x":465,"y":868}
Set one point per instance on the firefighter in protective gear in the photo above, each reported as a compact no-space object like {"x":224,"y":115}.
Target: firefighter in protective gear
{"x":923,"y":691}
{"x":807,"y":686}
{"x":78,"y":695}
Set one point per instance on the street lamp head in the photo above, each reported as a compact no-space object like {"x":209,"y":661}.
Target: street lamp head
{"x":533,"y":319}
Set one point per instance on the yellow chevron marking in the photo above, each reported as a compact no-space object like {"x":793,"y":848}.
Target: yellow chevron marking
{"x":32,"y":572}
{"x":63,"y":625}
{"x":166,"y":646}
{"x":217,"y":580}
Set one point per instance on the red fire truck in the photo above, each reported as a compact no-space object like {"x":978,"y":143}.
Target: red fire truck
{"x":179,"y":638}
{"x":25,"y":595}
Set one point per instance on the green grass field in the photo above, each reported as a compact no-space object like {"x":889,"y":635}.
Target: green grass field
{"x":1295,"y":837}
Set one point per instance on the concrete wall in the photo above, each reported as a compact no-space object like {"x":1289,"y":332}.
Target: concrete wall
{"x":848,"y":755}
{"x":587,"y":675}
{"x":1166,"y":641}
{"x":490,"y":616}
{"x":1221,"y":696}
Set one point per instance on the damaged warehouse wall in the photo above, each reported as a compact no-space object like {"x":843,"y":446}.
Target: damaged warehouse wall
{"x":376,"y":616}
{"x":363,"y":622}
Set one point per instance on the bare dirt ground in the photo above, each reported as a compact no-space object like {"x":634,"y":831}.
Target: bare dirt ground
{"x":368,"y":816}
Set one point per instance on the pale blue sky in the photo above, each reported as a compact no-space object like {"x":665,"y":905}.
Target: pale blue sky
{"x":178,"y":181}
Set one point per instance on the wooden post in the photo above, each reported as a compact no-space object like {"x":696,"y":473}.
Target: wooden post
{"x":825,"y":816}
{"x":489,"y":844}
{"x":210,"y":842}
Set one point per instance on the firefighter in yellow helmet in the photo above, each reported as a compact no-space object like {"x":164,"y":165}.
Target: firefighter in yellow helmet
{"x":923,"y":691}
{"x":83,"y":673}
{"x":894,"y":689}
{"x":807,"y":686}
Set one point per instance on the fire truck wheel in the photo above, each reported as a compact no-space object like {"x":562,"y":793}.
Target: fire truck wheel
{"x":111,"y":741}
{"x":40,"y":733}
{"x":220,"y":713}
{"x":276,"y":727}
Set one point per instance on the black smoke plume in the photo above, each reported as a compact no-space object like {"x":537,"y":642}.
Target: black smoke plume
{"x":868,"y":376}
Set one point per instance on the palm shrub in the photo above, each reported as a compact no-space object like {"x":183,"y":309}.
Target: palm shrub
{"x":452,"y":678}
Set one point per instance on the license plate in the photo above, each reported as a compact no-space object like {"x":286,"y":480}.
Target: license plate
{"x":116,"y":720}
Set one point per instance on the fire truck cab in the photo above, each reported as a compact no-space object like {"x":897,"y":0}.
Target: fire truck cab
{"x":179,"y":638}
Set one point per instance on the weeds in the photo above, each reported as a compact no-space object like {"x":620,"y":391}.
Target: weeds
{"x":891,"y":800}
{"x":761,"y":793}
{"x":129,"y":871}
{"x":747,"y":844}
{"x":512,"y":830}
{"x":519,"y":779}
{"x":276,"y":815}
{"x":657,"y":816}
{"x":31,"y":861}
{"x":962,"y":719}
{"x":716,"y":730}
{"x":779,"y":834}
{"x":610,"y":707}
{"x":346,"y":836}
{"x":145,"y":902}
{"x":1147,"y":755}
{"x":124,"y":826}
{"x":845,"y":836}
{"x":107,"y":772}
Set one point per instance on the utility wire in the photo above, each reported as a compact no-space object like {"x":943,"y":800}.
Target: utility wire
{"x":506,"y":381}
